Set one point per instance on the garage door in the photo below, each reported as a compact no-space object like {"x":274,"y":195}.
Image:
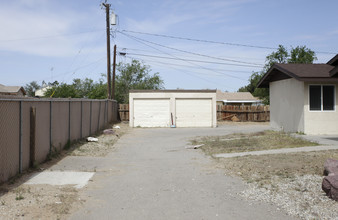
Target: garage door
{"x":193,"y":113}
{"x":151,"y":113}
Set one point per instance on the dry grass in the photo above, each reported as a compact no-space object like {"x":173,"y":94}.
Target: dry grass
{"x":266,"y":140}
{"x":262,"y":168}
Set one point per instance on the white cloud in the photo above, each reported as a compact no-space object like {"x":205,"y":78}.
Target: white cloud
{"x":34,"y":19}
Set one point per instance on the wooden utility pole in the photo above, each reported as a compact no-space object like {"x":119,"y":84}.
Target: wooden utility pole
{"x":108,"y":51}
{"x":114,"y":67}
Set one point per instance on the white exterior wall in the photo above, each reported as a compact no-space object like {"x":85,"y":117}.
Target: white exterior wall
{"x":172,"y":96}
{"x":320,"y":122}
{"x":287,"y":105}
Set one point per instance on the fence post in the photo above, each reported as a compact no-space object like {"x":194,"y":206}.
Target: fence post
{"x":105,"y":111}
{"x":32,"y":136}
{"x":98,"y":121}
{"x":50,"y":126}
{"x":69,"y":103}
{"x":20,"y":138}
{"x":90,"y":118}
{"x":81,"y":120}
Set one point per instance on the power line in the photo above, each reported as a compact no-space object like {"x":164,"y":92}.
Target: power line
{"x":184,"y":51}
{"x":185,"y":60}
{"x":214,"y":42}
{"x":191,"y":74}
{"x":136,"y":49}
{"x":175,"y":64}
{"x":49,"y":36}
{"x":191,"y":60}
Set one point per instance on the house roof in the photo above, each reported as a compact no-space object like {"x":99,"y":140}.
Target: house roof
{"x":234,"y":96}
{"x":303,"y":72}
{"x":11,"y":89}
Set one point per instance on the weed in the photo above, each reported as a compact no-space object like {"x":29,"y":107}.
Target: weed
{"x":3,"y":203}
{"x":68,"y":145}
{"x":300,"y":133}
{"x":54,"y":153}
{"x":19,"y":196}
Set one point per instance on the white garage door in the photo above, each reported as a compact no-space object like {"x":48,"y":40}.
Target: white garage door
{"x":151,"y":113}
{"x":193,"y":113}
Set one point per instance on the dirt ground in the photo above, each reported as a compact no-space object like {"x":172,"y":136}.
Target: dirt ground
{"x":238,"y":142}
{"x":20,"y":201}
{"x":291,"y":181}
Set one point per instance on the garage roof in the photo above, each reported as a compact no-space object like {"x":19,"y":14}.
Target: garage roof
{"x":175,"y":91}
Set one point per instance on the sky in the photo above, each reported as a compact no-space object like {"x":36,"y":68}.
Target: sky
{"x":199,"y":44}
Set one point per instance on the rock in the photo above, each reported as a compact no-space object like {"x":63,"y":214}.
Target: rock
{"x":109,"y":131}
{"x":330,"y":167}
{"x":117,"y":127}
{"x":330,"y":186}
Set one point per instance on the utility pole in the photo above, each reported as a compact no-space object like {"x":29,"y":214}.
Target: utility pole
{"x":108,"y":51}
{"x":114,"y":67}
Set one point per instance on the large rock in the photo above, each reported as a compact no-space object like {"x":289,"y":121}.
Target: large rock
{"x":330,"y":186}
{"x":330,"y":182}
{"x":330,"y":167}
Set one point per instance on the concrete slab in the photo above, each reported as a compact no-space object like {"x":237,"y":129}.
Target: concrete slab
{"x":277,"y":151}
{"x":79,"y":179}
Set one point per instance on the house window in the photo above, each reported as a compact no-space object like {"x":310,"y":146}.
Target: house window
{"x":322,"y":98}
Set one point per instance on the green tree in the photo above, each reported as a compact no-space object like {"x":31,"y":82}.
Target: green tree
{"x":63,"y":90}
{"x":299,"y":54}
{"x":86,"y":88}
{"x":31,"y":87}
{"x":134,"y":75}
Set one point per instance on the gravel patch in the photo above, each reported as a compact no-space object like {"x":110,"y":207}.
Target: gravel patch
{"x":300,"y":196}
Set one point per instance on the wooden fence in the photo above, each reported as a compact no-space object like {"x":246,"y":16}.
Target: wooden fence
{"x":124,"y":112}
{"x":224,"y":112}
{"x":243,"y":113}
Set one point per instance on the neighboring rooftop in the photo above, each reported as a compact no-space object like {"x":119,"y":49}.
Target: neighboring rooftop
{"x":12,"y":90}
{"x":303,"y":72}
{"x":235,"y":96}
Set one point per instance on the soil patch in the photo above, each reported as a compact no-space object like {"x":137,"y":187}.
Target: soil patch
{"x":265,"y":140}
{"x":38,"y":202}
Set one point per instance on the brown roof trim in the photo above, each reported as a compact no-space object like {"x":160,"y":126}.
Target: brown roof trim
{"x":333,"y":61}
{"x":174,"y":91}
{"x":334,"y":71}
{"x":318,"y":79}
{"x":262,"y":83}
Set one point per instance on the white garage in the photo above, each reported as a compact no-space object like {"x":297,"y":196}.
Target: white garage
{"x":166,"y":108}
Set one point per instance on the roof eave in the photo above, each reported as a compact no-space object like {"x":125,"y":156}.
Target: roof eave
{"x":263,"y":84}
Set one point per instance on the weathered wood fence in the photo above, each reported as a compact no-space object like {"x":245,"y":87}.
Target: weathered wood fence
{"x":224,"y":113}
{"x":124,"y":112}
{"x":243,"y":113}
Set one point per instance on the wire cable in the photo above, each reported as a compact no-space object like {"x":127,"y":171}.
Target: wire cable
{"x":187,"y":61}
{"x":192,"y":60}
{"x":213,"y":42}
{"x":184,"y":51}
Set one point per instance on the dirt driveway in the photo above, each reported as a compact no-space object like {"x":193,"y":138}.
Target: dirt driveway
{"x":151,"y":175}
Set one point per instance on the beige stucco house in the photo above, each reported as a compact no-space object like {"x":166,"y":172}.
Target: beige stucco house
{"x":303,"y":97}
